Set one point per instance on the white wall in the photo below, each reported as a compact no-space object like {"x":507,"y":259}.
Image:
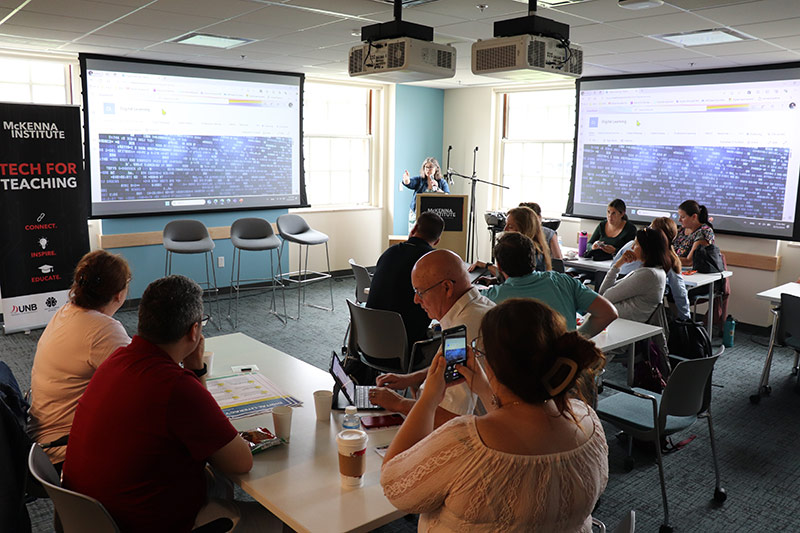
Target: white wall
{"x":469,"y":121}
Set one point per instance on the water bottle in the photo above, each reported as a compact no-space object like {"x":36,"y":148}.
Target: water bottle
{"x":728,"y":330}
{"x":351,"y":419}
{"x":583,"y":238}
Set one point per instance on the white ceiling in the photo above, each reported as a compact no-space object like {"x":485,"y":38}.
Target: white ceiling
{"x":314,"y":36}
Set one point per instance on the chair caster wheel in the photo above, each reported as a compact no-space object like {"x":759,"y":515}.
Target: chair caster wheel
{"x":767,"y":390}
{"x":720,"y":495}
{"x":629,"y":462}
{"x":755,"y":399}
{"x":664,"y":528}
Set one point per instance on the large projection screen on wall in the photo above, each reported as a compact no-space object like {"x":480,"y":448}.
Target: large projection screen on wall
{"x":729,"y":139}
{"x":166,"y":138}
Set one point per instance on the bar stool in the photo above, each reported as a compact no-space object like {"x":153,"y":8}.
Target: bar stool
{"x":293,"y":228}
{"x":256,"y":235}
{"x":187,"y":236}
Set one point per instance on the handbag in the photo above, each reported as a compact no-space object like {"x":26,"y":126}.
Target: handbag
{"x":689,"y":339}
{"x":650,"y":373}
{"x":707,"y":259}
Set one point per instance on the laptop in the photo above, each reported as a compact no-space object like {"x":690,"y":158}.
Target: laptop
{"x":353,"y":394}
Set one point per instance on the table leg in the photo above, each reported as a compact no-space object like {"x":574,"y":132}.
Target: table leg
{"x":631,"y":362}
{"x":763,"y":385}
{"x":710,"y":312}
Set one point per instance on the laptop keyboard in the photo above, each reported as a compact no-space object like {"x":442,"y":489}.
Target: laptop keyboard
{"x":362,"y":397}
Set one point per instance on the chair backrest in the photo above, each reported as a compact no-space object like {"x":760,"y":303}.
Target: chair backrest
{"x":292,"y":225}
{"x":251,"y":228}
{"x":628,"y":524}
{"x":76,"y":511}
{"x":685,"y":393}
{"x":379,"y":334}
{"x":184,"y":230}
{"x":558,"y":265}
{"x":789,"y":323}
{"x":363,"y":281}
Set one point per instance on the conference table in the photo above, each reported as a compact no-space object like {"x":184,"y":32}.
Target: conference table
{"x":692,"y":281}
{"x":773,"y":296}
{"x":625,"y":333}
{"x":299,"y":481}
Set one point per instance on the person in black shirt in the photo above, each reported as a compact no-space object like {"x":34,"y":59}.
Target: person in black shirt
{"x":391,"y":288}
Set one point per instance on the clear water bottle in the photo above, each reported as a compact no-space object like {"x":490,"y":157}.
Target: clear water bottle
{"x":351,"y":419}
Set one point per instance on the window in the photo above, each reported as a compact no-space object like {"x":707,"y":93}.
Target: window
{"x":338,"y":125}
{"x":536,"y":148}
{"x":35,"y":81}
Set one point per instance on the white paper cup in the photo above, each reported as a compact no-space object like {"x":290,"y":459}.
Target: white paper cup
{"x":322,"y":404}
{"x":352,"y":446}
{"x":282,"y":418}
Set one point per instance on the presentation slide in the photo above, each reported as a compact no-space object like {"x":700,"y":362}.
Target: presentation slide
{"x":728,"y":139}
{"x":165,"y":138}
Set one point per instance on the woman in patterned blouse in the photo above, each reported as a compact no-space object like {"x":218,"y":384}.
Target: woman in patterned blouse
{"x":695,"y":231}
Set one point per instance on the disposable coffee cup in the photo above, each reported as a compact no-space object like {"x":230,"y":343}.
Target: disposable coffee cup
{"x":322,"y":404}
{"x":282,"y":418}
{"x":352,"y":445}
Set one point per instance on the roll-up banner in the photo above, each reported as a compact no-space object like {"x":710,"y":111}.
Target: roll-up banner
{"x":43,"y":210}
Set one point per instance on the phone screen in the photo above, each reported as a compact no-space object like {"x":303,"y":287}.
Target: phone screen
{"x":455,"y":351}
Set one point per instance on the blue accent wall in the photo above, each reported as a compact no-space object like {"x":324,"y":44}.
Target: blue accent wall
{"x":147,"y":262}
{"x":419,"y":130}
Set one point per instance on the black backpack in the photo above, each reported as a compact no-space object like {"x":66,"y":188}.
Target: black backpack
{"x":707,"y":259}
{"x":689,"y":339}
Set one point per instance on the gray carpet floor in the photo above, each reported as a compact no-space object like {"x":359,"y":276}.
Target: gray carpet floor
{"x":757,"y":444}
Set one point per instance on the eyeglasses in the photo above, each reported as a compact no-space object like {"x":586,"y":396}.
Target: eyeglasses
{"x":204,"y":320}
{"x":422,"y":293}
{"x":477,"y":341}
{"x":429,"y":166}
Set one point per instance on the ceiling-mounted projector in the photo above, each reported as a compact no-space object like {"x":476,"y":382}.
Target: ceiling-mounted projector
{"x":401,"y":51}
{"x":402,"y":60}
{"x":526,"y":58}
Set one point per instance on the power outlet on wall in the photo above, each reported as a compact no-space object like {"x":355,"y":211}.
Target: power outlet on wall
{"x":221,"y":261}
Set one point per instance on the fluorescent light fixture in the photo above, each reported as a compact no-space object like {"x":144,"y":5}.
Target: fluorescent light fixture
{"x":553,"y":3}
{"x":703,"y":37}
{"x":214,"y":41}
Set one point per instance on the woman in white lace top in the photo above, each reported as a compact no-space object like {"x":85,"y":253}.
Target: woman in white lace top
{"x":537,"y":461}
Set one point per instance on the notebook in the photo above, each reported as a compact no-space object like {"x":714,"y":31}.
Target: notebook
{"x":353,"y":394}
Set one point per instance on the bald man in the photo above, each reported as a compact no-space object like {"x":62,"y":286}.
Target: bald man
{"x":442,"y":287}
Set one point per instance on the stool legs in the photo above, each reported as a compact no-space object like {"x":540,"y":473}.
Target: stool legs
{"x":236,"y":287}
{"x":209,"y":287}
{"x":302,"y":279}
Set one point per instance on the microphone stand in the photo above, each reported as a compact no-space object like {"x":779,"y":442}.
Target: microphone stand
{"x":471,"y":224}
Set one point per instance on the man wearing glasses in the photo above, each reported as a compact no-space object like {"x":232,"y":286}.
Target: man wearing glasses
{"x":442,"y":288}
{"x":146,"y":424}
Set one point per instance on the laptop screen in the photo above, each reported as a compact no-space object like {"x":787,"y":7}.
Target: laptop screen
{"x":338,"y":373}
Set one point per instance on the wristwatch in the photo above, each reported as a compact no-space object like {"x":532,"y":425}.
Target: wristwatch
{"x":200,"y":372}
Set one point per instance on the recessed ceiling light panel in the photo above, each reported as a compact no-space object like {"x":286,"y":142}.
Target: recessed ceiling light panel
{"x":703,"y":37}
{"x":214,"y":41}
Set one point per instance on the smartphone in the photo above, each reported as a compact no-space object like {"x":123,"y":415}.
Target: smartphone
{"x":382,"y":421}
{"x":454,"y":347}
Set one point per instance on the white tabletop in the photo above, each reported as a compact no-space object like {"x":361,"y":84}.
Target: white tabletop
{"x":588,"y":264}
{"x":699,"y":280}
{"x":299,"y":482}
{"x":774,"y":294}
{"x":623,"y":332}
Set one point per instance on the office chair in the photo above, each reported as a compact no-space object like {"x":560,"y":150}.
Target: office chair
{"x":255,"y":235}
{"x":363,"y":281}
{"x":78,"y":513}
{"x":379,"y":339}
{"x":628,"y":524}
{"x":187,"y":236}
{"x":293,"y":228}
{"x":648,"y":416}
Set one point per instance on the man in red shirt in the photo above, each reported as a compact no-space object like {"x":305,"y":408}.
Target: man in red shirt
{"x":146,"y":426}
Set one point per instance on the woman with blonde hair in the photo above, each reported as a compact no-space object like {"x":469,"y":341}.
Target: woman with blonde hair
{"x":430,"y":179}
{"x":80,"y":336}
{"x":538,"y":460}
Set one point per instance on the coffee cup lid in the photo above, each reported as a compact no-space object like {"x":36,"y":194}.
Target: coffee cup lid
{"x":352,"y":438}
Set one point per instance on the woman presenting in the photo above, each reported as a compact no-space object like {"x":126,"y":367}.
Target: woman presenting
{"x":429,"y":180}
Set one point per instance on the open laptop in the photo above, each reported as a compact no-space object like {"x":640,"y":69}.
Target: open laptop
{"x":357,"y":395}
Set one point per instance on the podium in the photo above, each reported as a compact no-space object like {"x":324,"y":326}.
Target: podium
{"x":453,"y":210}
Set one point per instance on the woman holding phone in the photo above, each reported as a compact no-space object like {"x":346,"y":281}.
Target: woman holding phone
{"x":537,"y":460}
{"x":612,"y":233}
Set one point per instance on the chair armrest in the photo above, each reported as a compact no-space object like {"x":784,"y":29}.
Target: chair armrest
{"x":677,"y":358}
{"x":628,"y":390}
